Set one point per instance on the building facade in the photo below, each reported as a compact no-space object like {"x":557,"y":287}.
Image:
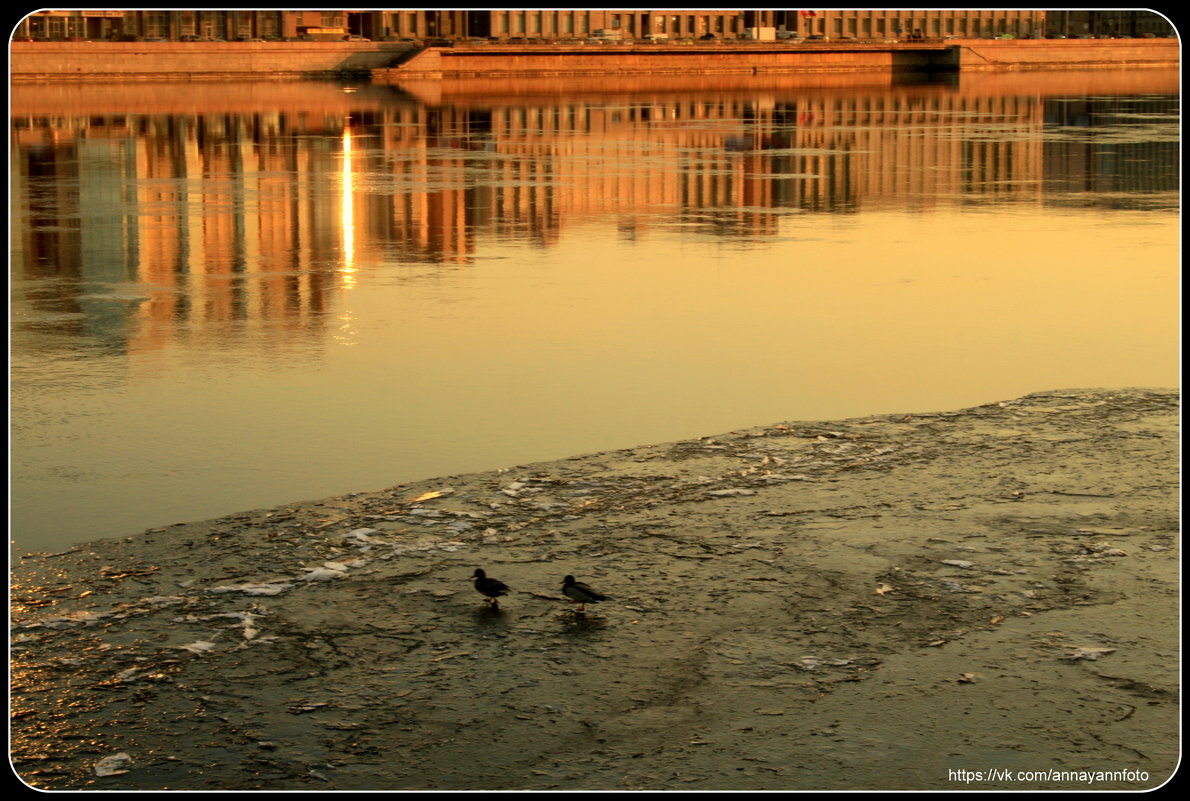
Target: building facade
{"x":555,"y":24}
{"x":920,"y":23}
{"x":1108,"y":22}
{"x":94,"y":25}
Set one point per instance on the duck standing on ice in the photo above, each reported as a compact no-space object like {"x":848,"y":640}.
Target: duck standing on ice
{"x":581,"y":593}
{"x":490,"y":587}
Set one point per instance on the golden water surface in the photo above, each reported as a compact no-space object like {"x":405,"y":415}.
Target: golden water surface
{"x":230,"y":297}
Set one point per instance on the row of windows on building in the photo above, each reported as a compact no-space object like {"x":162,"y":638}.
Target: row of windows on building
{"x":509,"y":23}
{"x":228,"y":25}
{"x":503,"y":23}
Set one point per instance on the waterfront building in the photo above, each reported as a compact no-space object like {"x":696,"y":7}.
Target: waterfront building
{"x":1107,"y":23}
{"x":917,"y":23}
{"x":561,"y":24}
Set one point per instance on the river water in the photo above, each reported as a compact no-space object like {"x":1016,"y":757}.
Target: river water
{"x":232,"y":296}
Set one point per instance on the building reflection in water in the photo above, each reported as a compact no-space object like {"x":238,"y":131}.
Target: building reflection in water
{"x":227,"y":297}
{"x":213,"y":213}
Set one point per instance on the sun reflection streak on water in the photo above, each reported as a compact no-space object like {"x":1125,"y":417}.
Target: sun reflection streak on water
{"x":346,"y":334}
{"x":347,"y":269}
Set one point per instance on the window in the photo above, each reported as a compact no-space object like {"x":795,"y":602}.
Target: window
{"x":242,"y":22}
{"x":209,"y":25}
{"x":154,"y":24}
{"x":270,"y":25}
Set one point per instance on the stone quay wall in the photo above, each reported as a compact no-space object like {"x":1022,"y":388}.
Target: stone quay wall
{"x":556,"y":60}
{"x":56,"y":61}
{"x":40,"y":62}
{"x":1025,"y":54}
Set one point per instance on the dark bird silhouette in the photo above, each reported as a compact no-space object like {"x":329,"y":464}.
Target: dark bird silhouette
{"x":581,"y":593}
{"x":490,"y":587}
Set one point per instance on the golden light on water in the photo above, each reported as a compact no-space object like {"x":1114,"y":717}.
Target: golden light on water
{"x":346,"y":333}
{"x":532,"y":283}
{"x":347,"y":213}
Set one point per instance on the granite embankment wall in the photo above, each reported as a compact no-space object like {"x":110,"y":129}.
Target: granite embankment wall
{"x":396,"y":61}
{"x":745,"y":59}
{"x":781,"y":57}
{"x":1034,"y":54}
{"x":53,"y":61}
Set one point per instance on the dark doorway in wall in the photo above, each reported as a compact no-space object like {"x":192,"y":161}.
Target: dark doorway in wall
{"x":479,"y":24}
{"x":359,"y":23}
